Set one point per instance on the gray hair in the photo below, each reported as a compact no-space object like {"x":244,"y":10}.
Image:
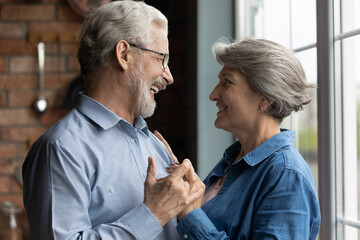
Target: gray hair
{"x":271,"y":70}
{"x":104,"y":27}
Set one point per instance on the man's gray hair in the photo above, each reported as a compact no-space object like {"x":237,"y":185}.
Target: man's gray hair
{"x":119,"y":20}
{"x":271,"y":70}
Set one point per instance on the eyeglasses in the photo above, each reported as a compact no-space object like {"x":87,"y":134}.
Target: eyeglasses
{"x":166,"y":56}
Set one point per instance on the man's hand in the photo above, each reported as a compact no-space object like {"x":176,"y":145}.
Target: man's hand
{"x":169,"y":196}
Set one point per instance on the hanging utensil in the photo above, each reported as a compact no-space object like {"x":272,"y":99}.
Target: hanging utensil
{"x":41,"y":103}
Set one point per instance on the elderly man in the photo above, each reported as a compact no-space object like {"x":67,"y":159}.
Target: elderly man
{"x":90,"y":176}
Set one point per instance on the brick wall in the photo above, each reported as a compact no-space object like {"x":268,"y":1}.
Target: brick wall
{"x":19,"y":123}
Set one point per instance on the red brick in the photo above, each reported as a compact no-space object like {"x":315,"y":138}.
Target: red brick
{"x":15,"y":198}
{"x":21,"y":98}
{"x":4,"y":184}
{"x":56,"y":98}
{"x":69,"y":48}
{"x":12,"y":30}
{"x":27,"y":98}
{"x":21,"y":133}
{"x":2,"y":97}
{"x":28,"y":12}
{"x":57,"y":81}
{"x":19,"y":81}
{"x":3,"y":64}
{"x":8,"y":167}
{"x":74,"y":64}
{"x":11,"y":117}
{"x":8,"y":150}
{"x":53,"y":115}
{"x":23,"y":64}
{"x":54,"y":26}
{"x":66,"y":13}
{"x":61,"y":48}
{"x":30,"y":64}
{"x":15,"y":186}
{"x":17,"y":47}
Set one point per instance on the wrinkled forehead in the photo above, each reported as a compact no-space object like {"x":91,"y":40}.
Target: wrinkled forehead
{"x":158,"y":38}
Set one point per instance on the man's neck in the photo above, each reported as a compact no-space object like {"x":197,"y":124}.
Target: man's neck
{"x":115,"y":95}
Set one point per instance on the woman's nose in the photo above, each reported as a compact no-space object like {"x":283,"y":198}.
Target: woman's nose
{"x":214,"y":94}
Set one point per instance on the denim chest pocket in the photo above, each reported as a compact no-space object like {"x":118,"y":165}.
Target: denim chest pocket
{"x":112,"y":200}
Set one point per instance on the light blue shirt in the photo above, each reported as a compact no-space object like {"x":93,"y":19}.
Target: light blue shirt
{"x":268,"y":194}
{"x":84,"y":178}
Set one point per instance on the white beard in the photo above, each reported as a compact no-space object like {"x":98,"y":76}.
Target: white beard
{"x":146,"y":105}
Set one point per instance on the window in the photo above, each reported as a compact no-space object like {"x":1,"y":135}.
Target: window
{"x":282,"y":21}
{"x":347,"y":109}
{"x":330,"y":55}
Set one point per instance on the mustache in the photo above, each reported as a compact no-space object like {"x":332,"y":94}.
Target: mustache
{"x":161,"y":81}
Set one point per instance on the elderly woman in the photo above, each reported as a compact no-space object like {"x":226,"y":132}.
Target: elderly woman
{"x":262,"y":188}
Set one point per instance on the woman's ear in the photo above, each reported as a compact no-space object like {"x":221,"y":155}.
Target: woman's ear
{"x":122,"y":54}
{"x":265,"y":102}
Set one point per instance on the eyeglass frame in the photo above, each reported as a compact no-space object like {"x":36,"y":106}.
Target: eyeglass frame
{"x":166,"y":56}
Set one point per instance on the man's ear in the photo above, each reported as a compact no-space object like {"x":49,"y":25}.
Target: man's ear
{"x":122,"y":54}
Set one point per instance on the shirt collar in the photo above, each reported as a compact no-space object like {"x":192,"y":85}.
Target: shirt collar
{"x":285,"y":137}
{"x":103,"y":117}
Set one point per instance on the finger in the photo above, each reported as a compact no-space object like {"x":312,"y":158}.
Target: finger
{"x":151,"y":171}
{"x":192,"y":177}
{"x":162,"y":139}
{"x":182,"y":169}
{"x":195,"y":196}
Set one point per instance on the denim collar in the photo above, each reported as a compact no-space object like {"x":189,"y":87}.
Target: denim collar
{"x":264,"y":150}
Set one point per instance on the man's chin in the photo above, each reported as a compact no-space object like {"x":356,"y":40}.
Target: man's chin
{"x":147,"y":111}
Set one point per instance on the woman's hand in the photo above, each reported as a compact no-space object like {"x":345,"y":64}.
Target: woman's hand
{"x":162,"y":139}
{"x":191,"y":177}
{"x":195,"y":185}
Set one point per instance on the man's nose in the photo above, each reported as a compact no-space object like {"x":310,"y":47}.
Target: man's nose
{"x":166,"y":74}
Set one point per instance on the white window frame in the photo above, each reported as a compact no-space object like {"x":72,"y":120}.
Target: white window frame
{"x":331,"y":138}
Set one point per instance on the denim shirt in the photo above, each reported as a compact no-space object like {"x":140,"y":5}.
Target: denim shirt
{"x":84,"y":178}
{"x":268,"y":194}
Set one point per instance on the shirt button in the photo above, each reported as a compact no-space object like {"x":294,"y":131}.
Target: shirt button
{"x":132,"y":140}
{"x":111,"y":190}
{"x":186,"y":236}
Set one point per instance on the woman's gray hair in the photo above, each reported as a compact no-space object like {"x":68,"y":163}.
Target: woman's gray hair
{"x":271,"y":70}
{"x":119,"y":20}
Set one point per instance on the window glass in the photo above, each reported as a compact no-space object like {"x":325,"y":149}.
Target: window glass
{"x":270,"y":19}
{"x":306,"y":120}
{"x":351,"y":128}
{"x":347,"y":97}
{"x":350,"y":17}
{"x":303,"y":29}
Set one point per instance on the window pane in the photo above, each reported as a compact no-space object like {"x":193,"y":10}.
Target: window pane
{"x":306,"y":140}
{"x":270,"y":19}
{"x":350,"y":10}
{"x":303,"y":29}
{"x":343,"y":231}
{"x":304,"y":123}
{"x":348,"y":80}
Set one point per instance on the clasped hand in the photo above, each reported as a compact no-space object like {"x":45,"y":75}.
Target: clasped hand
{"x":175,"y":195}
